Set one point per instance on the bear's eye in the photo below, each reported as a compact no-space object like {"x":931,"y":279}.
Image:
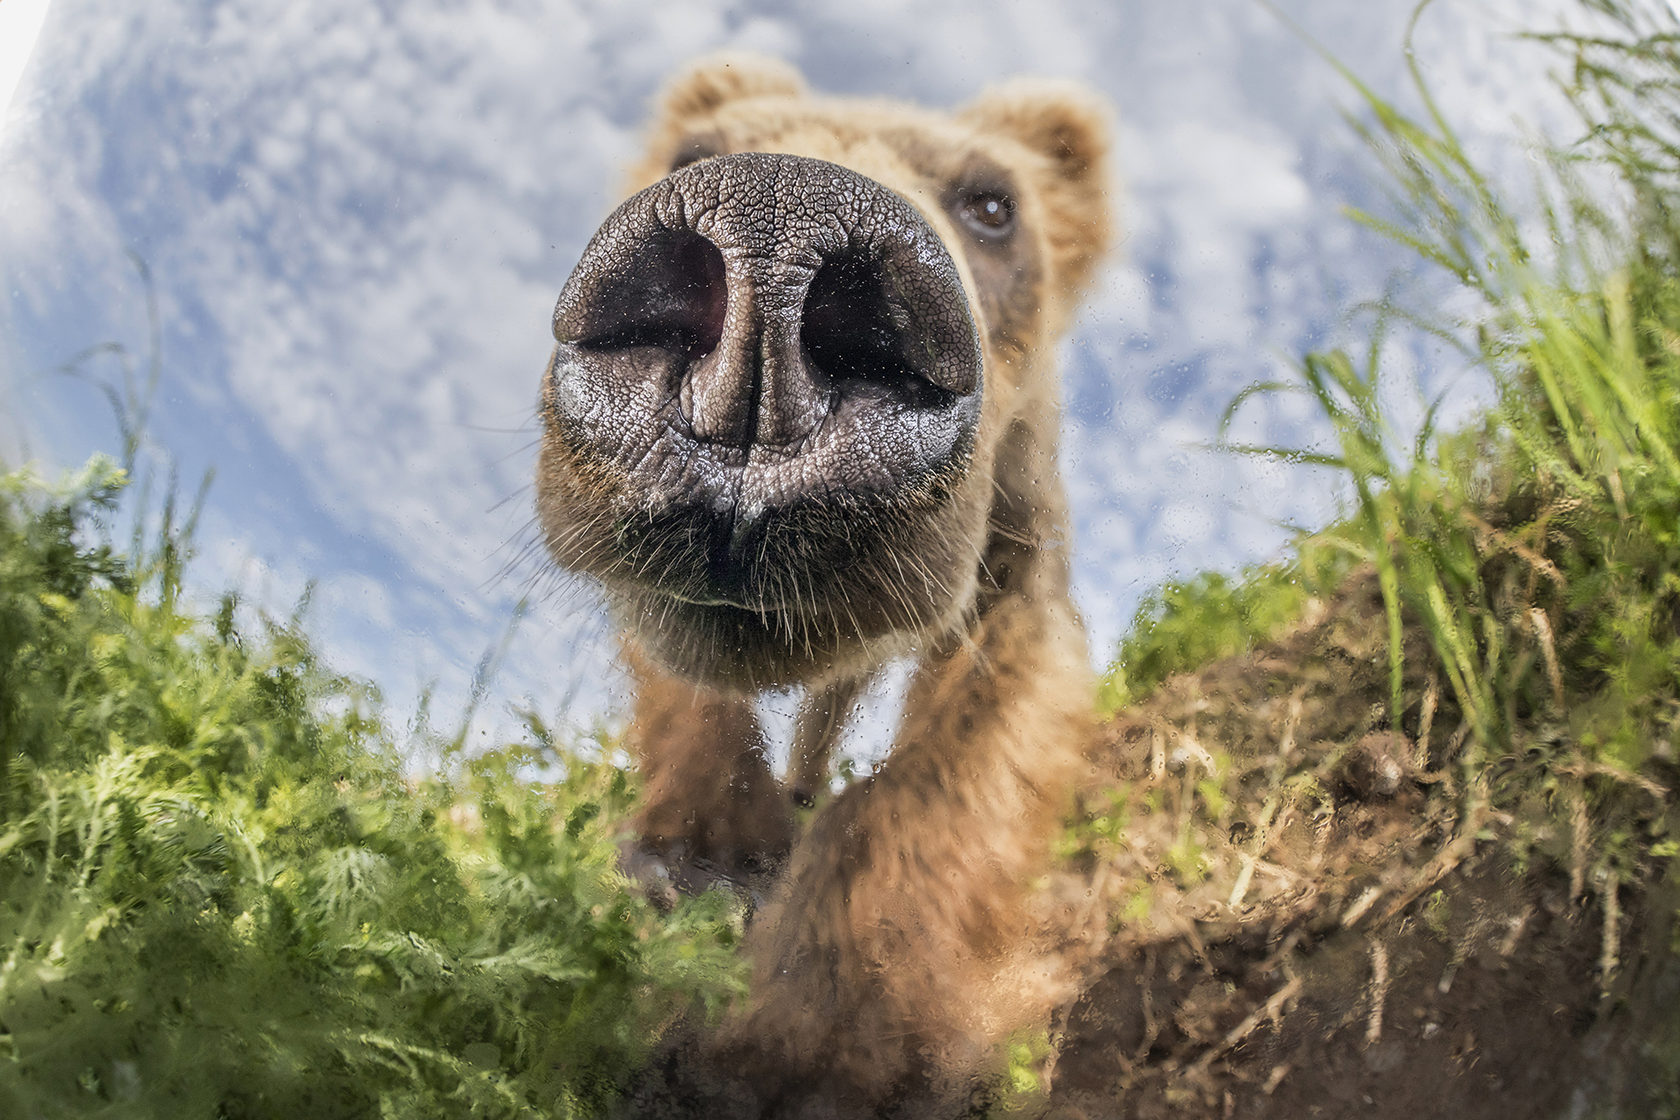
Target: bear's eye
{"x":988,"y":214}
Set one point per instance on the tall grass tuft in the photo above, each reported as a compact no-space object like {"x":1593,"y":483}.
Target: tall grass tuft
{"x":1539,"y":549}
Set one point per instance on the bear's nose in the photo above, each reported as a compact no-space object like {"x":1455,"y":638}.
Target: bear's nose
{"x":761,"y":293}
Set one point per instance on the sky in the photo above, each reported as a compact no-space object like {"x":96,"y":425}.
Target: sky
{"x":354,"y":221}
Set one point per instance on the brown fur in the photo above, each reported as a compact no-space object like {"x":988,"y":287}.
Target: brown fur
{"x":900,"y":946}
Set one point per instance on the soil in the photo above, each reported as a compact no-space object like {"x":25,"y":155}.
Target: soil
{"x":1311,"y":914}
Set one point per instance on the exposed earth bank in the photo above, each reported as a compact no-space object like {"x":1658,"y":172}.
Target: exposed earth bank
{"x":1289,"y":908}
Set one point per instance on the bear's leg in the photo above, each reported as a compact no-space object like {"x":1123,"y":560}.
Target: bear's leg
{"x":901,"y":948}
{"x":821,"y":719}
{"x":710,"y":807}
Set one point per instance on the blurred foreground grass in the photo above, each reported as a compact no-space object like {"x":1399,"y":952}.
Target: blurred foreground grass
{"x":221,"y":895}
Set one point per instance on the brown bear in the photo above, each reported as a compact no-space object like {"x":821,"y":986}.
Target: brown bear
{"x":802,"y":418}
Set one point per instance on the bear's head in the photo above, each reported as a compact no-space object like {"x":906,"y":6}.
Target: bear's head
{"x":786,"y":365}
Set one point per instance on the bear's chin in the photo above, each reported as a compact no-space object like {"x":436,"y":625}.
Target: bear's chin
{"x":845,"y":619}
{"x":738,"y":649}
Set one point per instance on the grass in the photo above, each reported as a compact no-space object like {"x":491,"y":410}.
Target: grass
{"x":1538,"y":548}
{"x":221,"y":896}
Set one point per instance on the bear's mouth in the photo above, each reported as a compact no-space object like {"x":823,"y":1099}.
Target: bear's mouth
{"x":768,"y":559}
{"x":732,"y":554}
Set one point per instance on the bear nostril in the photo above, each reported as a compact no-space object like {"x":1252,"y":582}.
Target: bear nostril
{"x":669,"y":294}
{"x":759,"y":329}
{"x":856,"y":333}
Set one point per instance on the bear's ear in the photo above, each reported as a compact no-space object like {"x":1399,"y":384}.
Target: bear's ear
{"x":1061,"y":120}
{"x":716,"y":80}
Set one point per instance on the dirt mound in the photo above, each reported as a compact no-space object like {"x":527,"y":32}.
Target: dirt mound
{"x":1288,"y":908}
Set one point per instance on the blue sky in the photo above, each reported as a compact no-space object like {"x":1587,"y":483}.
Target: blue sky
{"x":356,"y":219}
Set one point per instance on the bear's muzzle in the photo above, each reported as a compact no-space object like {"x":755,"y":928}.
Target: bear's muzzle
{"x":758,"y":337}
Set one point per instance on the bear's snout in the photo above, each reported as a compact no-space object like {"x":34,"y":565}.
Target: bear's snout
{"x":781,"y":327}
{"x":767,"y":380}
